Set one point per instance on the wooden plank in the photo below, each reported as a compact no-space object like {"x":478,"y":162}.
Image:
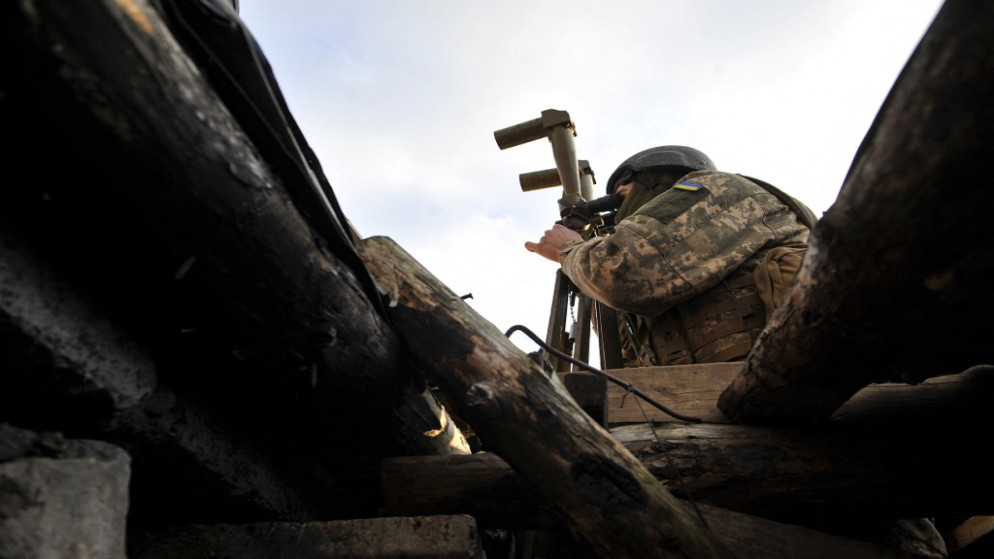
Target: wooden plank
{"x":481,"y":485}
{"x":504,"y":500}
{"x":691,"y":390}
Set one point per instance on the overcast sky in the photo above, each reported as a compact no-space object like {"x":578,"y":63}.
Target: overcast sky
{"x":400,"y":99}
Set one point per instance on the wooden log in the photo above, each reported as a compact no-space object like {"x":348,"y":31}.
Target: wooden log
{"x":484,"y":486}
{"x":873,"y":447}
{"x":147,"y":194}
{"x":892,"y":451}
{"x":968,"y":532}
{"x":750,"y":537}
{"x":896,"y":285}
{"x":66,"y":366}
{"x":906,"y":464}
{"x":598,"y":489}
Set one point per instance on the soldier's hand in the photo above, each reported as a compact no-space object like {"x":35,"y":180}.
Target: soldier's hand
{"x":553,"y":241}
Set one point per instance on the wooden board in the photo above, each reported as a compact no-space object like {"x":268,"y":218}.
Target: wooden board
{"x":691,"y":390}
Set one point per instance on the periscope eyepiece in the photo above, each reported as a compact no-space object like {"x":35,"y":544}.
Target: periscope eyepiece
{"x":604,"y":204}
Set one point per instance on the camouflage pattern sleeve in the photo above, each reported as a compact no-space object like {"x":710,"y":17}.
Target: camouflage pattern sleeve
{"x":680,"y":244}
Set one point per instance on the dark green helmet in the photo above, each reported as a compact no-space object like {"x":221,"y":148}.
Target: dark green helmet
{"x":660,"y":158}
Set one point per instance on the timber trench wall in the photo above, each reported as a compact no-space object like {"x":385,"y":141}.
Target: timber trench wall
{"x":192,"y":363}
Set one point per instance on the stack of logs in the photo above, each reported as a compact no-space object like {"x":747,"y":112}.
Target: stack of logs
{"x":165,"y":287}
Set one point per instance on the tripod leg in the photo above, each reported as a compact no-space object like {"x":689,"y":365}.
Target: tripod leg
{"x":608,"y":336}
{"x":557,"y":335}
{"x":581,"y":330}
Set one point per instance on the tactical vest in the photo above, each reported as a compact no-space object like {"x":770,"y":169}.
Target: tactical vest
{"x":723,"y":323}
{"x":720,"y":325}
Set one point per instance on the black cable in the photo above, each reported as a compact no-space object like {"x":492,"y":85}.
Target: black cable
{"x":627,"y":386}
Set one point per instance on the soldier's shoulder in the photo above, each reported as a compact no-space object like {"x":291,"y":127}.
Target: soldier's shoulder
{"x":720,"y":180}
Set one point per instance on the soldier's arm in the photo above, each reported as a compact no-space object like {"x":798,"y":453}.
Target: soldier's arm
{"x":677,"y":246}
{"x":554,"y":241}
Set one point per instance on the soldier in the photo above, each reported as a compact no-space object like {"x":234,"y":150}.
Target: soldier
{"x":697,"y":262}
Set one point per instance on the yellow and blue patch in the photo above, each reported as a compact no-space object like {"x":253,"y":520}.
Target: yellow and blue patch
{"x":689,"y":186}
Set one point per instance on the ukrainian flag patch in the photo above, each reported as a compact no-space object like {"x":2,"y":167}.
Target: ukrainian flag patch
{"x":687,"y":185}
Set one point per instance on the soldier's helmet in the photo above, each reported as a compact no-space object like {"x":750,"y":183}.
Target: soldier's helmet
{"x":658,"y":159}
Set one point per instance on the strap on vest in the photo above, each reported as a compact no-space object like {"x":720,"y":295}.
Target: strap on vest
{"x":803,"y":213}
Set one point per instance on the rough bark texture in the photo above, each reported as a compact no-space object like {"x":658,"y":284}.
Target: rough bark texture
{"x":915,"y":459}
{"x":170,"y":282}
{"x":189,"y":305}
{"x":891,"y":452}
{"x":897,"y":281}
{"x":599,"y":490}
{"x":484,"y":486}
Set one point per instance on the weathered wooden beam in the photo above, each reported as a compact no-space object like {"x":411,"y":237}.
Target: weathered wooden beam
{"x":149,"y":201}
{"x":750,"y":537}
{"x":870,"y":460}
{"x":969,"y":532}
{"x":484,"y":486}
{"x":66,"y":366}
{"x":598,"y":489}
{"x":896,"y":285}
{"x":867,"y":462}
{"x":162,"y":149}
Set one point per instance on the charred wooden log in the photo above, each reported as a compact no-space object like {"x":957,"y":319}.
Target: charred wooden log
{"x":144,"y":194}
{"x":884,"y":457}
{"x":68,"y":367}
{"x":596,"y":487}
{"x":896,"y":285}
{"x":893,"y":451}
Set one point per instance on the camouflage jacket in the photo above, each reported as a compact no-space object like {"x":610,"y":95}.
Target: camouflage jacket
{"x":678,"y":249}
